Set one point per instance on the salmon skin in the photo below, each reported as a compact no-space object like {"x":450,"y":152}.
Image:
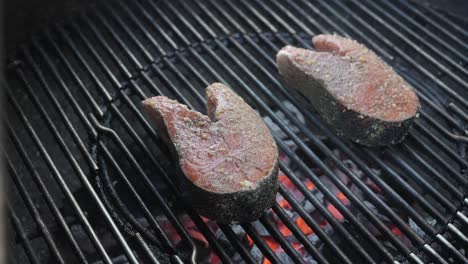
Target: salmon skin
{"x":355,"y":92}
{"x":228,"y":160}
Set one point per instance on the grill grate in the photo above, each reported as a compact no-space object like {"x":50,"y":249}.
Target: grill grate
{"x":90,"y":176}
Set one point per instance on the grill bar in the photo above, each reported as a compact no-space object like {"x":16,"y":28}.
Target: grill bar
{"x":434,"y":254}
{"x":166,"y":243}
{"x":433,"y":105}
{"x":335,"y":202}
{"x":412,"y":22}
{"x":24,"y":239}
{"x":44,"y":191}
{"x":453,"y":190}
{"x":89,"y":97}
{"x":413,"y":44}
{"x":458,"y":233}
{"x":463,"y":218}
{"x":266,"y":250}
{"x":311,"y":222}
{"x":458,"y":111}
{"x":316,"y":203}
{"x":118,"y":39}
{"x":451,"y":248}
{"x":429,"y":19}
{"x":106,"y":46}
{"x":424,"y":184}
{"x":58,"y":175}
{"x":154,"y":223}
{"x":239,"y":246}
{"x":323,"y":210}
{"x":448,"y":134}
{"x":292,"y":253}
{"x":121,"y":72}
{"x":142,"y":28}
{"x":76,"y":137}
{"x":55,"y":101}
{"x":37,"y":217}
{"x":439,"y":142}
{"x":146,"y":248}
{"x":298,"y":233}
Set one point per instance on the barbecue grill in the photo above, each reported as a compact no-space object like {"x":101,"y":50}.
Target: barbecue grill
{"x":91,"y":182}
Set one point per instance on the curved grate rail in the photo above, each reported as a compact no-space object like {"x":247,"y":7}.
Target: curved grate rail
{"x":91,"y":181}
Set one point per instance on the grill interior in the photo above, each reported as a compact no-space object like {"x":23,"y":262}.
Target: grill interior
{"x":92,"y":183}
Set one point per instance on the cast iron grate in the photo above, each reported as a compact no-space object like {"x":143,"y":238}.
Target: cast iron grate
{"x":92,"y":182}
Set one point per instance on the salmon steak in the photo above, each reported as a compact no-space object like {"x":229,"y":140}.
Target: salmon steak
{"x":227,"y":160}
{"x":353,"y":90}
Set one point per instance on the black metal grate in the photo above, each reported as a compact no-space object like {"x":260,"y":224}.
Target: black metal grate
{"x":91,"y":182}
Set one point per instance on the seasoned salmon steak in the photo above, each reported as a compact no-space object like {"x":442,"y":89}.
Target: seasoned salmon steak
{"x":228,"y":160}
{"x":355,"y":92}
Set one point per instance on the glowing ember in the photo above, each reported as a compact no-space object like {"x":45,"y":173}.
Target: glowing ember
{"x":284,"y":204}
{"x":396,"y":231}
{"x":335,"y":212}
{"x":310,"y":185}
{"x":343,"y":198}
{"x":214,"y":259}
{"x":250,"y":241}
{"x":285,"y":180}
{"x":271,"y":243}
{"x":303,"y":226}
{"x":284,"y":229}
